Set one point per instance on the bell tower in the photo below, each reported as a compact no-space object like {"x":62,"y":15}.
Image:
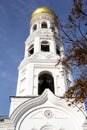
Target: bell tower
{"x":43,"y":48}
{"x":42,"y":81}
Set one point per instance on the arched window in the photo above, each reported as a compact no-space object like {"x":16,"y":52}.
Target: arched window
{"x":45,"y":81}
{"x":31,"y":50}
{"x":34,"y":27}
{"x":45,"y":46}
{"x":57,"y":50}
{"x":44,"y":25}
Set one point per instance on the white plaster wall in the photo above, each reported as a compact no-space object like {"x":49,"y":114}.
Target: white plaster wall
{"x":55,"y":117}
{"x":15,"y":102}
{"x":30,"y":83}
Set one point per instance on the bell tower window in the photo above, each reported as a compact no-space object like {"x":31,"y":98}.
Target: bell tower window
{"x":34,"y":27}
{"x":45,"y":81}
{"x":44,"y":25}
{"x":45,"y":46}
{"x":57,"y":50}
{"x":31,"y":50}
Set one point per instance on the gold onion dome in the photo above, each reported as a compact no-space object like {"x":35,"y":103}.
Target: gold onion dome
{"x":43,"y":9}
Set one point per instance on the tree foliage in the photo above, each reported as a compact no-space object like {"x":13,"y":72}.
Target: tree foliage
{"x":75,"y":38}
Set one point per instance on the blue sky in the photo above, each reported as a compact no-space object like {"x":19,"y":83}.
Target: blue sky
{"x":14,"y":29}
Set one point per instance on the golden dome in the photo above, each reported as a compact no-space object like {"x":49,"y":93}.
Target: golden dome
{"x":43,"y":9}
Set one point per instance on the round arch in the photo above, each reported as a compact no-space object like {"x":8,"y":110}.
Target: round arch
{"x":44,"y":25}
{"x":45,"y":80}
{"x":48,"y":127}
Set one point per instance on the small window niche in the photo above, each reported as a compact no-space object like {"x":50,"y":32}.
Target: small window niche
{"x":45,"y":46}
{"x":57,"y":50}
{"x":44,"y":25}
{"x":31,"y":50}
{"x":34,"y":27}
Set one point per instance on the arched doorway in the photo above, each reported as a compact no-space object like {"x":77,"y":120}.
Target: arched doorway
{"x":45,"y":81}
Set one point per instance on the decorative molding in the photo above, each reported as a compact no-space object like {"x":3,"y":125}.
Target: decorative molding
{"x":40,"y":100}
{"x":48,"y":114}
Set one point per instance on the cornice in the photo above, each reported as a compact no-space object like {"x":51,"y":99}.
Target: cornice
{"x":37,"y":59}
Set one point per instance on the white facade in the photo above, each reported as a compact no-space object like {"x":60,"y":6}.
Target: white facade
{"x":42,"y":61}
{"x":41,"y":82}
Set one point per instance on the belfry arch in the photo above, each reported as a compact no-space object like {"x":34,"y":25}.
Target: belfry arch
{"x":45,"y":80}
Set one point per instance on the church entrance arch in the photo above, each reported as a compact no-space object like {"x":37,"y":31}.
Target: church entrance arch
{"x":45,"y":80}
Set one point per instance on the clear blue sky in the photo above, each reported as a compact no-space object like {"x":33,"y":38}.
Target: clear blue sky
{"x":14,"y":29}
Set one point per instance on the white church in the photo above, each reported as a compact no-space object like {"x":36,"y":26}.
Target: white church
{"x":41,"y":82}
